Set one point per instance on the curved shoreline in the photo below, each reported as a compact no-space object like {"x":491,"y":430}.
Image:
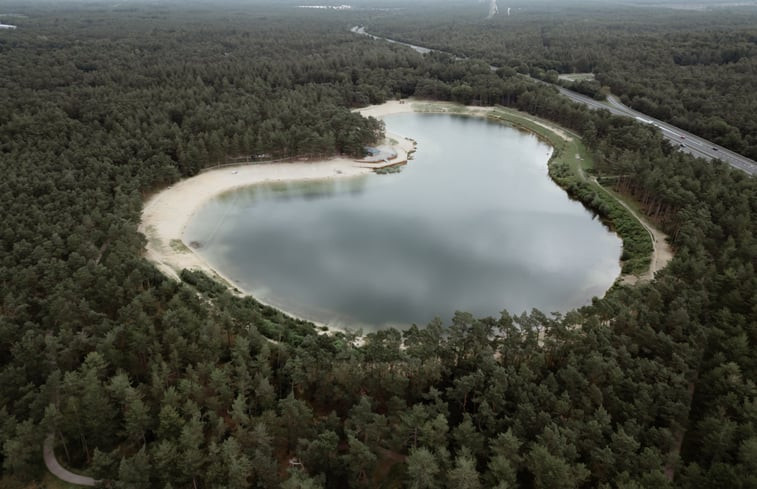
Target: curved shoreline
{"x":166,"y":214}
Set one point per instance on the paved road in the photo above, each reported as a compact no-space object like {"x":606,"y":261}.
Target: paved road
{"x":689,"y":142}
{"x":57,"y":469}
{"x":683,"y":140}
{"x":361,"y":30}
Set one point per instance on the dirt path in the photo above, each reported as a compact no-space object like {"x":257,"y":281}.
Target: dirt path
{"x":555,"y":129}
{"x":661,"y":251}
{"x":57,"y":469}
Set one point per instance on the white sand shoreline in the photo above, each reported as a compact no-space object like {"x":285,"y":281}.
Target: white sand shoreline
{"x":166,"y":214}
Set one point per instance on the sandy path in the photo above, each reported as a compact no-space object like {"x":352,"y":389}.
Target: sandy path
{"x":555,"y":129}
{"x":662,"y":253}
{"x":58,"y":470}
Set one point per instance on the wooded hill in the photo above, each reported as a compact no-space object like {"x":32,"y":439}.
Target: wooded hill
{"x":151,"y":383}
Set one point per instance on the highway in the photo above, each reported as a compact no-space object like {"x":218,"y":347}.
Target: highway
{"x":361,"y":30}
{"x":683,"y":140}
{"x":687,"y":142}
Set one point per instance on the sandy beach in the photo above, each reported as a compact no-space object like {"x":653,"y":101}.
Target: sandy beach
{"x":166,"y":214}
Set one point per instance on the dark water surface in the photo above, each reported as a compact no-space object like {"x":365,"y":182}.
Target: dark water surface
{"x":473,"y":223}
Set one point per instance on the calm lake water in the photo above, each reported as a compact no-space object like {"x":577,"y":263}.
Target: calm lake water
{"x":473,"y":223}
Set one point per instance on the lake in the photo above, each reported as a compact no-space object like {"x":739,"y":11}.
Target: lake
{"x":473,"y":223}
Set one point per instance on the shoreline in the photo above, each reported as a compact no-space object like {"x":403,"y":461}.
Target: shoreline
{"x":166,"y":214}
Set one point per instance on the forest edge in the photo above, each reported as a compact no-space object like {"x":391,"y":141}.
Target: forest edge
{"x":166,"y":214}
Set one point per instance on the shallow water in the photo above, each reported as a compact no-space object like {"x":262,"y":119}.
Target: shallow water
{"x":473,"y":223}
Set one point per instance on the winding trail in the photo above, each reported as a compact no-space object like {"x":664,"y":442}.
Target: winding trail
{"x":58,"y":470}
{"x":661,"y":251}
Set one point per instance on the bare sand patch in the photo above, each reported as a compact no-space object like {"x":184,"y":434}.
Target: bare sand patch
{"x":662,"y":253}
{"x":166,"y":214}
{"x":555,"y":129}
{"x":387,"y":108}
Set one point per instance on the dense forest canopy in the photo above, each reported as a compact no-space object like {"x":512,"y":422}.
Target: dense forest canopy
{"x":146,"y":382}
{"x":696,"y":69}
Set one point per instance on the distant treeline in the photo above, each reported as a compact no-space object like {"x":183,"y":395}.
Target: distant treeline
{"x":694,"y":69}
{"x":151,"y":383}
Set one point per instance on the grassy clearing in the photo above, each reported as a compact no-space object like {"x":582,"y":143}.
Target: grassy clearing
{"x":568,"y":167}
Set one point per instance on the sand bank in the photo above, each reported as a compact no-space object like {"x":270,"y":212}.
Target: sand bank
{"x":166,"y":214}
